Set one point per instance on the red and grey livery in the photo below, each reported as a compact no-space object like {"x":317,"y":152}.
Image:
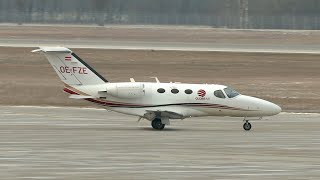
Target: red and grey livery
{"x":154,"y":101}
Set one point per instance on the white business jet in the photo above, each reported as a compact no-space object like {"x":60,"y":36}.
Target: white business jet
{"x":156,"y":102}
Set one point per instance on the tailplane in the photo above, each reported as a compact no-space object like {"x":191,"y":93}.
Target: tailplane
{"x":71,"y":69}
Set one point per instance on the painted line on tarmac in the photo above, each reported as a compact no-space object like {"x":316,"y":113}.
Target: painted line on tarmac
{"x":168,"y":47}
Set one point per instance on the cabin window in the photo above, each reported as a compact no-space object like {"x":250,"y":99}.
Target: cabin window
{"x":219,"y":94}
{"x":161,"y":90}
{"x":188,"y":91}
{"x":174,"y":91}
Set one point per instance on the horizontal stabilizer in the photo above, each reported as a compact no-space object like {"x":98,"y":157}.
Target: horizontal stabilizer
{"x":53,"y":49}
{"x":74,"y":96}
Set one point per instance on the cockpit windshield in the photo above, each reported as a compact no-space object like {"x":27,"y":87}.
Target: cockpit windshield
{"x":231,"y":93}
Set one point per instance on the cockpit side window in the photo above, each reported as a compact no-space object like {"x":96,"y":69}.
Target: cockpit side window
{"x":231,"y":93}
{"x":219,"y":94}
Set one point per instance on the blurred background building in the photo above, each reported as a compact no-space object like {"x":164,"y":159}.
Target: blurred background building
{"x":255,"y":14}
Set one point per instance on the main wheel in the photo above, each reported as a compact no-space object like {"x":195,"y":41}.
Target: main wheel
{"x":157,"y":124}
{"x":247,"y":126}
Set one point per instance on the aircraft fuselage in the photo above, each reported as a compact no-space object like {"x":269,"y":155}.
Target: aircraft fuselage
{"x":185,"y":100}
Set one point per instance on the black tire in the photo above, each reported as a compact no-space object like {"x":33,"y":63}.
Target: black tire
{"x":157,"y":124}
{"x":247,"y":126}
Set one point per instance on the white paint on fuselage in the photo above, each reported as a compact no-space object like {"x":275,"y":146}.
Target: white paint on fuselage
{"x":187,"y":105}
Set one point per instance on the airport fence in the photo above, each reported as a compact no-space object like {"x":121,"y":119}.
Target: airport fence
{"x":311,"y":22}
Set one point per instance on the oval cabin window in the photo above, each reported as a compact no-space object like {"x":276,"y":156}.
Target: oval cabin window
{"x":188,"y":91}
{"x":161,"y":90}
{"x":174,"y":91}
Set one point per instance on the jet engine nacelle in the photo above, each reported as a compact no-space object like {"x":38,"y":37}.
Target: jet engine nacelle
{"x":126,"y":90}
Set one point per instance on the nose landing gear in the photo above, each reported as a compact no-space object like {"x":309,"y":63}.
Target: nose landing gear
{"x":247,"y":126}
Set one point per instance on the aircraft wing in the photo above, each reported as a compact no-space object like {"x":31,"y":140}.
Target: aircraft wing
{"x":169,"y":114}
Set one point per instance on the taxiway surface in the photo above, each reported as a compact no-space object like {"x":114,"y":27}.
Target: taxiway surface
{"x":79,"y":143}
{"x":178,"y":38}
{"x":172,"y":46}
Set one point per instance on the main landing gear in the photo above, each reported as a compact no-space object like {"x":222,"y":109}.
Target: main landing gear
{"x":157,"y":124}
{"x":247,"y":126}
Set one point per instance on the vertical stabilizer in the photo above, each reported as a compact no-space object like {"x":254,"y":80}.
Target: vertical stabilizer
{"x":71,"y":69}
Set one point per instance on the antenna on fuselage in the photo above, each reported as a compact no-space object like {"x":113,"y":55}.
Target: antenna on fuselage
{"x":132,"y":80}
{"x":156,"y":78}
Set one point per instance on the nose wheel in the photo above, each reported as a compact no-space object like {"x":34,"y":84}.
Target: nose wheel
{"x":247,"y":126}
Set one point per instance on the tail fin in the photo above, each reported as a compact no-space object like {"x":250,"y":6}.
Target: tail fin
{"x":71,"y":69}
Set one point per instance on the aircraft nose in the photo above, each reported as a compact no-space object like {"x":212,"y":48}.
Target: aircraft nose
{"x":277,"y":109}
{"x":271,"y":108}
{"x":261,"y":107}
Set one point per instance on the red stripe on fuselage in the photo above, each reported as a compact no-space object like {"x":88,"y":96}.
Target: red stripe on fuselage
{"x":69,"y":91}
{"x":128,"y":105}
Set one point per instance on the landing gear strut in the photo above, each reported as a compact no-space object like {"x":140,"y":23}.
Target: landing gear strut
{"x":157,"y":124}
{"x":247,"y":126}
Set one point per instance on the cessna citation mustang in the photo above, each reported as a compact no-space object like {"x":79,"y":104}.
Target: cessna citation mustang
{"x":156,"y":102}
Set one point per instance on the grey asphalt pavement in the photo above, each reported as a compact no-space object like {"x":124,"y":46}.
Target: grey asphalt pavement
{"x":80,"y":143}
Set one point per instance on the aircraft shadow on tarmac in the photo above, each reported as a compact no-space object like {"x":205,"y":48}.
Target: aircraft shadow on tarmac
{"x":167,"y":129}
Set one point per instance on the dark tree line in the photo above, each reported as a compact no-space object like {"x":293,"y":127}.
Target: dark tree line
{"x":303,"y":14}
{"x":208,"y":7}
